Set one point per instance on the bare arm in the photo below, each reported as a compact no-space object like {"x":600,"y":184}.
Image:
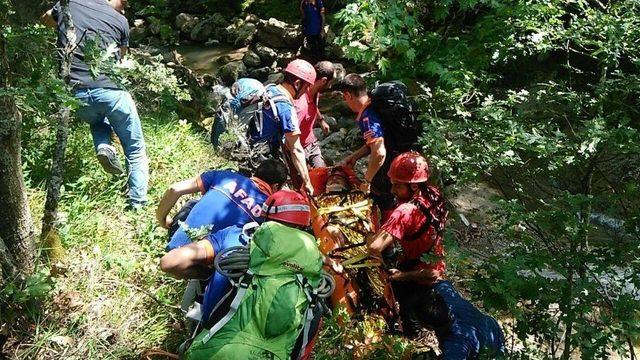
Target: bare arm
{"x":351,"y":160}
{"x":297,"y":157}
{"x":171,"y":196}
{"x":188,"y":262}
{"x":378,"y":242}
{"x":47,"y":19}
{"x":376,"y":158}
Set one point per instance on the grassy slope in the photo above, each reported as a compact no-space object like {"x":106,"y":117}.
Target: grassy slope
{"x":112,"y":301}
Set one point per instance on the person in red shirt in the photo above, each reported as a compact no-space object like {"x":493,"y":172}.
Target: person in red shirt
{"x":417,"y":225}
{"x":309,"y":114}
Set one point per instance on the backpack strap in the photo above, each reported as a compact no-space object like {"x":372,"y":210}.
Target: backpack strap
{"x":242,"y":285}
{"x":189,"y":305}
{"x":272,"y":101}
{"x":312,"y":297}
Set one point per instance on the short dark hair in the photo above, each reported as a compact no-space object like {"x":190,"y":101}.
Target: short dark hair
{"x":272,"y":171}
{"x":325,"y":69}
{"x":290,"y":78}
{"x":353,"y":84}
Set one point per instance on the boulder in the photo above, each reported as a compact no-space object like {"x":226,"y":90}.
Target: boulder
{"x":335,"y":51}
{"x":211,"y":27}
{"x":267,"y":54}
{"x":339,"y":73}
{"x":251,"y":59}
{"x":260,"y":73}
{"x":252,"y":18}
{"x":285,"y":57}
{"x":278,"y":34}
{"x":230,"y":72}
{"x":318,"y":133}
{"x":186,"y":22}
{"x":172,"y":57}
{"x":331,"y":121}
{"x":275,"y":78}
{"x":241,"y":34}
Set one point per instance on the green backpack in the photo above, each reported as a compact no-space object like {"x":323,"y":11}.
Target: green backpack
{"x":272,"y":299}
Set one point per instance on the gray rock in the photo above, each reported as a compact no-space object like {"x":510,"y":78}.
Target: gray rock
{"x":335,"y":51}
{"x":211,"y":27}
{"x":186,"y":22}
{"x":232,"y":71}
{"x":252,"y":18}
{"x":318,"y":133}
{"x":267,"y":54}
{"x":278,"y":34}
{"x":212,"y":42}
{"x":260,"y":73}
{"x":241,"y":34}
{"x":285,"y":57}
{"x":172,"y":57}
{"x":331,"y":121}
{"x":339,"y":73}
{"x":251,"y":59}
{"x":275,"y":78}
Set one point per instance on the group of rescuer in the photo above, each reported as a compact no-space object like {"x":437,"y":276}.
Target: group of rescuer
{"x":275,"y":198}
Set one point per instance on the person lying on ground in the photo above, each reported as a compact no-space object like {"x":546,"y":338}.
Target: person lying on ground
{"x":277,"y":134}
{"x":354,"y":93}
{"x":463,"y":331}
{"x":417,"y":225}
{"x":228,"y":199}
{"x":106,"y":106}
{"x":309,"y":115}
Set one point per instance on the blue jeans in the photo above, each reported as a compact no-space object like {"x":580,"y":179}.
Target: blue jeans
{"x":113,"y":110}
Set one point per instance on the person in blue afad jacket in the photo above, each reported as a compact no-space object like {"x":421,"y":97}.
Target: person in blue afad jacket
{"x":463,"y":331}
{"x":228,"y":199}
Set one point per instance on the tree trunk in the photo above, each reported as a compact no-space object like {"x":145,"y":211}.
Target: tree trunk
{"x":50,"y":236}
{"x":16,"y":226}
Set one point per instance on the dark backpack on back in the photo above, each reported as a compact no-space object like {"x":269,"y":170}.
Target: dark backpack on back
{"x":398,"y":116}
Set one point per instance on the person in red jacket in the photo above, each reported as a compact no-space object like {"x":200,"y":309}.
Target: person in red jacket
{"x":417,"y":225}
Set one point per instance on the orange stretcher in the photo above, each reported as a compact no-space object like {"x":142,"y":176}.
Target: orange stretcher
{"x":341,"y":222}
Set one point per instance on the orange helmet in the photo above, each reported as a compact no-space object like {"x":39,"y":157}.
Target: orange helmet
{"x":303,"y":70}
{"x":287,"y":206}
{"x":409,"y":168}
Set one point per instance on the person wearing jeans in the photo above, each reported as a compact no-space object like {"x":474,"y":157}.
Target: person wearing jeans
{"x":113,"y":110}
{"x":107,"y":108}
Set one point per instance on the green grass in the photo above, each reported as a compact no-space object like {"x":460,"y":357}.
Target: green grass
{"x":111,"y":299}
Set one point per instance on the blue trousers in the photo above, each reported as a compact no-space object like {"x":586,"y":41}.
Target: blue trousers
{"x":113,"y":110}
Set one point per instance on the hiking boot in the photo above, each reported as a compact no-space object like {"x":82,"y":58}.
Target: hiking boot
{"x":107,"y":157}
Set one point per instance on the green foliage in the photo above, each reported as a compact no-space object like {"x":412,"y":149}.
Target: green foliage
{"x":23,"y":298}
{"x":342,"y":337}
{"x":540,"y":100}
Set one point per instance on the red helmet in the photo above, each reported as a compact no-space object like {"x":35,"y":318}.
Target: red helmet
{"x":287,"y":206}
{"x":302,"y":70}
{"x":410,"y":168}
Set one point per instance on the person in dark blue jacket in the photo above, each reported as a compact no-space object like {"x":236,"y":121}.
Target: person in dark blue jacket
{"x":463,"y":331}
